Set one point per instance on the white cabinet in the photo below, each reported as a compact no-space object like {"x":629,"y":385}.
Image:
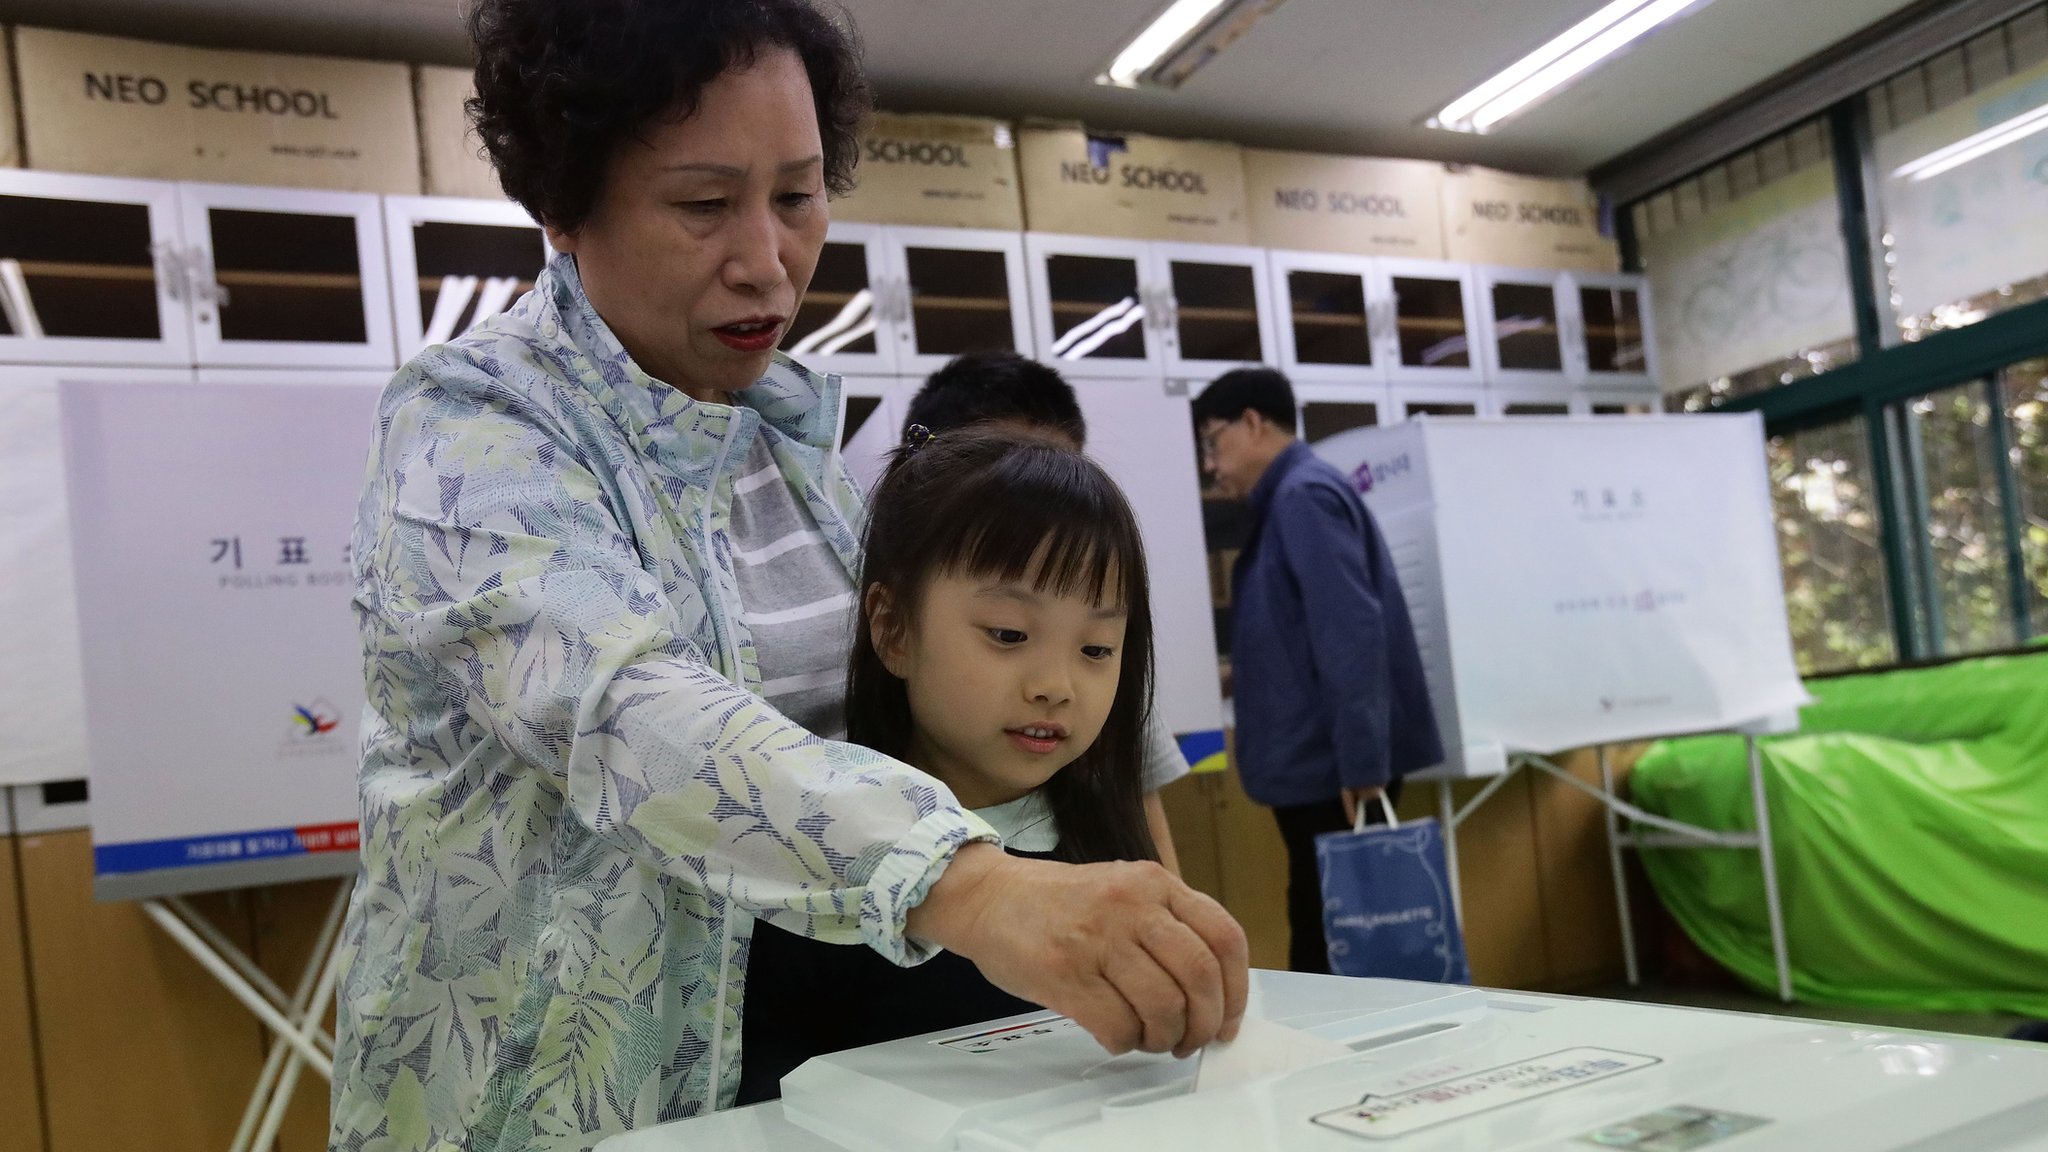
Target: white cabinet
{"x":1217,"y":308}
{"x":888,"y":300}
{"x":1325,"y":326}
{"x":287,"y":278}
{"x":1523,"y":326}
{"x":845,"y":322}
{"x":455,"y":262}
{"x":1427,"y":317}
{"x":1095,"y":307}
{"x":91,"y":272}
{"x":1515,"y":401}
{"x":1613,"y":401}
{"x":1610,"y":329}
{"x":1328,"y":409}
{"x":1357,"y":319}
{"x":1135,"y":308}
{"x":958,"y":290}
{"x":1580,"y":327}
{"x":1407,"y":401}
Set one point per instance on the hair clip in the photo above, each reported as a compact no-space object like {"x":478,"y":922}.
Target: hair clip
{"x":917,"y":436}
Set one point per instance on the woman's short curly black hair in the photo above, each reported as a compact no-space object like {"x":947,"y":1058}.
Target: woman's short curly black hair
{"x":561,"y":83}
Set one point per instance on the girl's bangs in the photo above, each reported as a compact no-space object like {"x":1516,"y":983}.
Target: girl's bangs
{"x":1054,"y":519}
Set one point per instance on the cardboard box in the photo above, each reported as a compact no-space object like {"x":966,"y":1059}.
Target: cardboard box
{"x":1525,"y":222}
{"x":1363,"y":207}
{"x":117,"y":107}
{"x":1135,"y":187}
{"x":10,"y":118}
{"x":452,"y":160}
{"x":936,"y":171}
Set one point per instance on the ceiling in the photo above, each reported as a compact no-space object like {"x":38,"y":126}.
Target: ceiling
{"x":1353,"y":76}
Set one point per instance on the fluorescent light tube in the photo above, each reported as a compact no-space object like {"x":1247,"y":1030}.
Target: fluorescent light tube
{"x":1550,"y":67}
{"x":1160,"y":37}
{"x":1974,"y":146}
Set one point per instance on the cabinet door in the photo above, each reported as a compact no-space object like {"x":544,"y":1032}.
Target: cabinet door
{"x":90,"y":272}
{"x":1218,"y":307}
{"x":1525,"y":313}
{"x":1523,"y":400}
{"x":288,"y":278}
{"x":1637,"y":401}
{"x":1329,"y":410}
{"x":455,"y":262}
{"x":1610,"y":329}
{"x":1429,"y":320}
{"x":1408,"y":401}
{"x":1094,"y":305}
{"x":958,"y":290}
{"x":1324,"y":324}
{"x":844,"y":323}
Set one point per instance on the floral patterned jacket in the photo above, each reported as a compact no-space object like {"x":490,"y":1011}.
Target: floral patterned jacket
{"x":573,"y":805}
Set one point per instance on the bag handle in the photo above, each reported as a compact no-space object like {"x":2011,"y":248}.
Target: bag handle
{"x":1386,"y":805}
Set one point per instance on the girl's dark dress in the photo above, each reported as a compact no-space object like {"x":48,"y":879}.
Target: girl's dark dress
{"x":806,"y":998}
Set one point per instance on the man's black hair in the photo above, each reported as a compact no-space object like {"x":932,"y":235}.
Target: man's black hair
{"x":1241,"y":390}
{"x":998,"y":387}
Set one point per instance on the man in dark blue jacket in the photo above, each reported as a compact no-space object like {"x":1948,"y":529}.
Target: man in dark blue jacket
{"x":1327,"y":681}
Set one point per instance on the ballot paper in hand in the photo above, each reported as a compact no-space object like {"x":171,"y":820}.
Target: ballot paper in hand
{"x":1262,"y":1048}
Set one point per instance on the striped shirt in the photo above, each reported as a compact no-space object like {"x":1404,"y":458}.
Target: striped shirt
{"x":795,"y":595}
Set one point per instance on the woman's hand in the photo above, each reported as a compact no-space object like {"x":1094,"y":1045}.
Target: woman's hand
{"x":1126,"y":950}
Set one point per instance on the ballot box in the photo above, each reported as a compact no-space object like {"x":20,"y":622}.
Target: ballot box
{"x":1410,"y":1068}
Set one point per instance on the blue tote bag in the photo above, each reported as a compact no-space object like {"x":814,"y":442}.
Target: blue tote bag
{"x":1387,"y":907}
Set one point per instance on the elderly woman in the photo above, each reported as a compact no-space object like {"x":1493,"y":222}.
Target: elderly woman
{"x":591,"y":757}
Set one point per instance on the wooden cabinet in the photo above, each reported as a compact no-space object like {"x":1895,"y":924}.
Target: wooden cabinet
{"x":139,"y":1046}
{"x":21,"y":1105}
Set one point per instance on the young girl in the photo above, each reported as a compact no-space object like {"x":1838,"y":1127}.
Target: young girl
{"x":1005,"y":647}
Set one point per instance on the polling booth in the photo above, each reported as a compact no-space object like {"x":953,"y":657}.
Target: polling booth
{"x":222,"y":676}
{"x":1579,"y":582}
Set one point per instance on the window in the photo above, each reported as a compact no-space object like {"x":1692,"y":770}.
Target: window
{"x":1957,"y":520}
{"x":1749,"y":270}
{"x":1962,"y":179}
{"x":2024,"y":392}
{"x":1831,"y":549}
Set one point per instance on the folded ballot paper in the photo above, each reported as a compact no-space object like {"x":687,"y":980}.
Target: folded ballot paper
{"x":1262,"y":1048}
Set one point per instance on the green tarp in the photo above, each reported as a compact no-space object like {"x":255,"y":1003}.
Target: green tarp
{"x":1910,"y":817}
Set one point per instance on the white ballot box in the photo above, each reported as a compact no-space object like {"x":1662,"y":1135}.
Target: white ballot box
{"x":1415,"y":1068}
{"x":1581,"y":581}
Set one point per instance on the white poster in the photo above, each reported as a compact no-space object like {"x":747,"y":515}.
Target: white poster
{"x":1597,"y":581}
{"x":223,"y":680}
{"x":1751,"y":282}
{"x":1980,"y":225}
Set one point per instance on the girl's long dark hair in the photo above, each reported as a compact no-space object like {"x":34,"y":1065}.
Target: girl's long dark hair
{"x":986,"y":503}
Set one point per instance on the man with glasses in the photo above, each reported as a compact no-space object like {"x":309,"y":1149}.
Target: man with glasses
{"x":1327,"y":680}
